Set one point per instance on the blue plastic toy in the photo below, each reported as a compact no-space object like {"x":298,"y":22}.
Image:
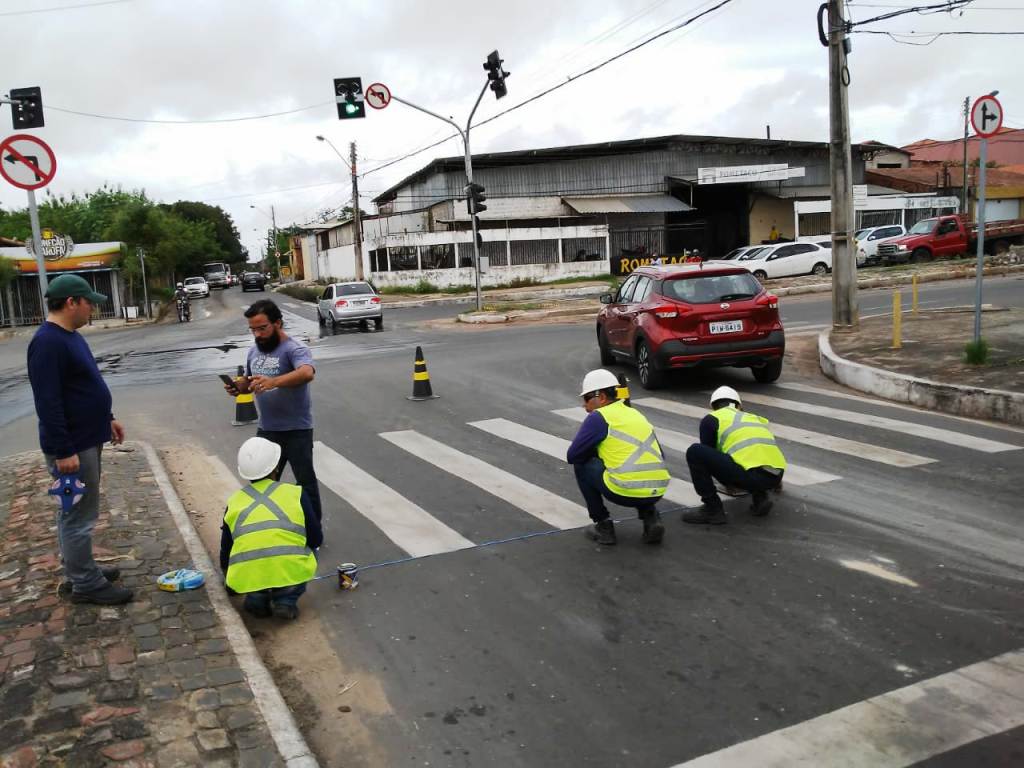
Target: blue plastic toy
{"x":180,"y":580}
{"x":68,"y":490}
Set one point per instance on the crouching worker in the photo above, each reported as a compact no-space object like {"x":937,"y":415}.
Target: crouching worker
{"x":738,"y":450}
{"x":616,"y":456}
{"x":269,"y":534}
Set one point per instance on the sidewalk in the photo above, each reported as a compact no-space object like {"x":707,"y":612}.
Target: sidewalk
{"x":158,"y":682}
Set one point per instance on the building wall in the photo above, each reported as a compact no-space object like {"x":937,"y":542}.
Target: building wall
{"x":888,"y":160}
{"x":767,"y":211}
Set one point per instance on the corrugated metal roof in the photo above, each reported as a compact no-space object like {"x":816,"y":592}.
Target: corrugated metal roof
{"x":627,"y":204}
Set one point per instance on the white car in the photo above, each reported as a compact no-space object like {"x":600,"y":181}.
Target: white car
{"x":787,"y":260}
{"x":735,"y":253}
{"x":196,"y":286}
{"x":867,"y":241}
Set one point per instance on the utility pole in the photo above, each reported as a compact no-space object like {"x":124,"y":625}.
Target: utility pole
{"x":967,"y":109}
{"x":845,"y":313}
{"x":357,"y":219}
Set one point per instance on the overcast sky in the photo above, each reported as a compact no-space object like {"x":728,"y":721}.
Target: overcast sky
{"x":751,"y":64}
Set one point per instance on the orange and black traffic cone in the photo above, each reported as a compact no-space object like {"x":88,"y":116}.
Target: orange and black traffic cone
{"x":622,"y":391}
{"x":245,"y":406}
{"x":421,"y":379}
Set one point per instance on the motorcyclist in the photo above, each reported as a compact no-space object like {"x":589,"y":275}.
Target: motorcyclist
{"x":182,"y":302}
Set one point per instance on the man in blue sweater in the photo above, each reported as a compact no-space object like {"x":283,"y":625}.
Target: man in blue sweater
{"x":73,"y":405}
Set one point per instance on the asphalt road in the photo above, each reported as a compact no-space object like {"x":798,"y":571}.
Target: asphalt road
{"x":895,"y":560}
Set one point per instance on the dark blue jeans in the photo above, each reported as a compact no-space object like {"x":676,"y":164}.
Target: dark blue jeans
{"x":297,"y":450}
{"x":590,"y":479}
{"x":259,"y":602}
{"x":706,"y":463}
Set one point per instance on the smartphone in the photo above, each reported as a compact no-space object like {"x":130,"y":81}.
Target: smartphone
{"x":227,"y":379}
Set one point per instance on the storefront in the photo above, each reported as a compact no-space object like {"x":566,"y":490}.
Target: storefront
{"x":21,"y":303}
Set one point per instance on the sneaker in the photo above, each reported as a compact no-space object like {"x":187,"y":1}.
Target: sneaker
{"x":705,"y":516}
{"x":654,"y":531}
{"x":108,"y":595}
{"x":285,"y":611}
{"x":761,"y":505}
{"x":602,"y":533}
{"x":110,"y":574}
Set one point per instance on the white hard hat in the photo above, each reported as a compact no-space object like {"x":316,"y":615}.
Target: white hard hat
{"x":180,"y":285}
{"x":598,"y":379}
{"x":257,"y":458}
{"x":725,"y":393}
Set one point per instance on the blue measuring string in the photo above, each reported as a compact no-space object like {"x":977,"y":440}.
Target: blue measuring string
{"x":523,"y":537}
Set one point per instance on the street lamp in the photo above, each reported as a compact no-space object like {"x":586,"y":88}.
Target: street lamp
{"x":357,"y":221}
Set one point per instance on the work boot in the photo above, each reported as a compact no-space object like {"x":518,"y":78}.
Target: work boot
{"x":110,"y":574}
{"x":602,"y":532}
{"x":108,"y":595}
{"x":761,"y":505}
{"x":285,"y":611}
{"x":707,"y":514}
{"x":654,"y":531}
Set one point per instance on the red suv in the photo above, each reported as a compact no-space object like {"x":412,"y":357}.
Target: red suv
{"x":690,"y":315}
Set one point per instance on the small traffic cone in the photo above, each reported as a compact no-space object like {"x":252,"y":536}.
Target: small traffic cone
{"x":245,"y":406}
{"x":421,"y":379}
{"x":622,"y":391}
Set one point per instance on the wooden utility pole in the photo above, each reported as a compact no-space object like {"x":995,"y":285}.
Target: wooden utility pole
{"x":845,"y":313}
{"x":357,"y":221}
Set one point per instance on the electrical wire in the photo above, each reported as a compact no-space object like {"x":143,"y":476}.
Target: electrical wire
{"x":924,"y":10}
{"x":64,"y":8}
{"x":50,"y":107}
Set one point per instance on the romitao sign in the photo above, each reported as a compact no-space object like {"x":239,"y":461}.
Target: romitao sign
{"x":55,"y":246}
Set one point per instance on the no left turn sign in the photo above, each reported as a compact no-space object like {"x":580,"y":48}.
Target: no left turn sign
{"x":378,"y":96}
{"x":26,"y":161}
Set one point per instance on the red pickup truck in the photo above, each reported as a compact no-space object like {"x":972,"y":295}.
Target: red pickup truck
{"x":946,"y":236}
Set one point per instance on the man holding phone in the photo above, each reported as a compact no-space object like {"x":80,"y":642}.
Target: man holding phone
{"x":278,"y":372}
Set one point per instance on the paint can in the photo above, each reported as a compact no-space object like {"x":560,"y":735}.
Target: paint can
{"x":348,"y":576}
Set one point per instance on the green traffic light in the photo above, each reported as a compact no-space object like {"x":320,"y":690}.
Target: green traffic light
{"x":351,"y":108}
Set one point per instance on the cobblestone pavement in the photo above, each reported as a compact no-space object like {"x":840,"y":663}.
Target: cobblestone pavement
{"x":152,"y":683}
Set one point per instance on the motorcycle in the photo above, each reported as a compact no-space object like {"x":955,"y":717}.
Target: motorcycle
{"x":184,"y":310}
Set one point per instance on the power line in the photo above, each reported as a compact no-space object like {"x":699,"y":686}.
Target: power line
{"x":894,"y":36}
{"x":924,"y":10}
{"x":188,"y":122}
{"x":569,"y":79}
{"x":64,"y":8}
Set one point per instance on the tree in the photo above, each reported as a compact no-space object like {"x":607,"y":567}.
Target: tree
{"x":224,"y":230}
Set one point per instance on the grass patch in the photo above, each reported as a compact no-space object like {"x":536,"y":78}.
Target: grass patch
{"x":513,"y":306}
{"x":301,"y":292}
{"x":976,"y":352}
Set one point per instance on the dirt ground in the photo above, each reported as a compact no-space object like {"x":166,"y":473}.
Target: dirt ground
{"x":933,"y":347}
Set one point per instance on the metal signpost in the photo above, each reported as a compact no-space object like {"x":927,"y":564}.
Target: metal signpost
{"x":987,"y":119}
{"x":26,"y":161}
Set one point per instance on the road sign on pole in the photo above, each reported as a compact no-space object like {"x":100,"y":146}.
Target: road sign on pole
{"x":26,"y":161}
{"x":987,"y":116}
{"x":378,"y":95}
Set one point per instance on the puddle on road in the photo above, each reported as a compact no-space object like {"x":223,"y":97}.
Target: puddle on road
{"x":874,"y":569}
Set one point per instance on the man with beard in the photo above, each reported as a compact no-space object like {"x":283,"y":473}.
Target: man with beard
{"x":278,"y":371}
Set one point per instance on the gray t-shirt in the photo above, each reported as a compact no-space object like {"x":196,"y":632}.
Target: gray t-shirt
{"x":283,"y":408}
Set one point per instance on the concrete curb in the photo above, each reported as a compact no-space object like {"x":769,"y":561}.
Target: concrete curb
{"x":493,"y":318}
{"x":972,"y":402}
{"x":290,"y":743}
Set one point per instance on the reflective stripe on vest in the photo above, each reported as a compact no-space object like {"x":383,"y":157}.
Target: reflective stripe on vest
{"x":746,"y":438}
{"x":271,"y":551}
{"x":634,"y":464}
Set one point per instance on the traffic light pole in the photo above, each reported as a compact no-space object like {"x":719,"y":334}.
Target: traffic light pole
{"x":464,"y":135}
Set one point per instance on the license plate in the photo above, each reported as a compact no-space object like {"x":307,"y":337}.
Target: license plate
{"x":730,"y":326}
{"x":358,"y":303}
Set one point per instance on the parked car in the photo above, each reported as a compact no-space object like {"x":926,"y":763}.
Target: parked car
{"x":787,"y":259}
{"x":350,"y":303}
{"x":254,"y":281}
{"x":197,"y":286}
{"x":945,"y":236}
{"x":691,"y":315}
{"x":735,"y":253}
{"x":867,"y":240}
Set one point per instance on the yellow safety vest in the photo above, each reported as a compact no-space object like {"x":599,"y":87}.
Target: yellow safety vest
{"x":634,"y":465}
{"x":268,"y":529}
{"x":746,"y":438}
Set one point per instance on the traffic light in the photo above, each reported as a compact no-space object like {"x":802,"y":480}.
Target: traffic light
{"x":27,"y":107}
{"x":348,"y":92}
{"x":496,"y":74}
{"x":475,"y":199}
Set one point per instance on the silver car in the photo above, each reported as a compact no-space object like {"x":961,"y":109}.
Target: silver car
{"x":354,"y":302}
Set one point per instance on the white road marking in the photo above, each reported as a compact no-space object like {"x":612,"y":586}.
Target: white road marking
{"x":888,"y":404}
{"x":832,"y":443}
{"x":874,"y":569}
{"x":409,"y":526}
{"x":669,"y":438}
{"x":881,"y":422}
{"x":532,"y":499}
{"x":678,"y":491}
{"x":897,"y":729}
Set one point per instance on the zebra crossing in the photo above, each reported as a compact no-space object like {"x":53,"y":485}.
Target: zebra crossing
{"x":417,"y":530}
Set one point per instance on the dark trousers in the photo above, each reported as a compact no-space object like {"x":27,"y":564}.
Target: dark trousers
{"x":297,"y":450}
{"x":590,"y":479}
{"x":706,"y":463}
{"x":259,"y":602}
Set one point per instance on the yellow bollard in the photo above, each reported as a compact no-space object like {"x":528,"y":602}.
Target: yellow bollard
{"x":897,"y":343}
{"x":913,"y":301}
